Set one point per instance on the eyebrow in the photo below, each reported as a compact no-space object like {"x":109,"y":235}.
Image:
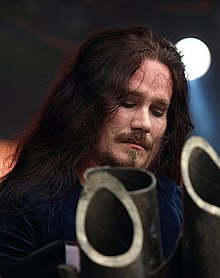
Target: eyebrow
{"x":161,"y":101}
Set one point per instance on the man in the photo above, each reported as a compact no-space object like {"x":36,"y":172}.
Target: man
{"x":121,"y":101}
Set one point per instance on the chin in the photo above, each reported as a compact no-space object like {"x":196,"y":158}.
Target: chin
{"x":135,"y":163}
{"x":124,"y":160}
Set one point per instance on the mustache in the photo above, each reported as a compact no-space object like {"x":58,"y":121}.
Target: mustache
{"x":136,"y":137}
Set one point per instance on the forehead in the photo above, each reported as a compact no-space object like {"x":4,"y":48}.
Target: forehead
{"x":152,"y":74}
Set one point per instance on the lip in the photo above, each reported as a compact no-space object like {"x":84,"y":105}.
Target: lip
{"x":135,"y":146}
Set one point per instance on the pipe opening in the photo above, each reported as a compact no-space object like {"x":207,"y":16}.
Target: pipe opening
{"x":108,"y":226}
{"x":132,"y":179}
{"x":205,"y":176}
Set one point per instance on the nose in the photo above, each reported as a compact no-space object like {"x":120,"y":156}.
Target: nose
{"x":141,"y":120}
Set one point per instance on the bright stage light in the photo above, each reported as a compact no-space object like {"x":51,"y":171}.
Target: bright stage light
{"x":196,"y":57}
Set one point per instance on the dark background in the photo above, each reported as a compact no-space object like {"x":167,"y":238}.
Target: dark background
{"x":36,"y":35}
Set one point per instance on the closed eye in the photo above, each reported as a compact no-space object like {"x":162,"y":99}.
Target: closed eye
{"x":158,"y":112}
{"x":128,"y":104}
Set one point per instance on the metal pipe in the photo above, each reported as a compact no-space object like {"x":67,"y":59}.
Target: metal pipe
{"x":201,"y":232}
{"x":116,"y":207}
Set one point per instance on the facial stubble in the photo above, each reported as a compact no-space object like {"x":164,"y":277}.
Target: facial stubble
{"x":132,"y":161}
{"x":133,"y":157}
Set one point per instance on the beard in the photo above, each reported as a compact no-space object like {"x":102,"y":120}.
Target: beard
{"x":133,"y":156}
{"x":113,"y":161}
{"x":132,"y":161}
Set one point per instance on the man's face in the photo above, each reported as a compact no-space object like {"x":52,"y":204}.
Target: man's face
{"x":131,"y":136}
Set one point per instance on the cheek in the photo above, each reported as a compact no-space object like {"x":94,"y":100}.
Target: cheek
{"x":118,"y":121}
{"x":106,"y":135}
{"x":159,"y":128}
{"x":123,"y":119}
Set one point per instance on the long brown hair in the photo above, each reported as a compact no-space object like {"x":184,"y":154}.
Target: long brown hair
{"x":90,"y":85}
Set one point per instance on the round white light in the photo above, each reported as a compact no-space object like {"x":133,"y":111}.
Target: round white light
{"x":196,"y":57}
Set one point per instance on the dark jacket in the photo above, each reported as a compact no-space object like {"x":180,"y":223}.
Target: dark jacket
{"x":36,"y":224}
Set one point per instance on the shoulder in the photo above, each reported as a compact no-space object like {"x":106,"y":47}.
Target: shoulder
{"x":35,"y":222}
{"x":45,"y":216}
{"x":39,"y":199}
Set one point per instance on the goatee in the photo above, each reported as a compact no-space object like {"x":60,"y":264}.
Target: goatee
{"x":110,"y":160}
